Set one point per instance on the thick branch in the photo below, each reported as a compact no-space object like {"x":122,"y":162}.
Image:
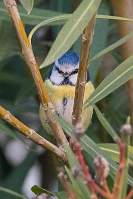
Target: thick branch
{"x":30,"y":133}
{"x":34,"y":68}
{"x":125,"y":9}
{"x":82,"y":74}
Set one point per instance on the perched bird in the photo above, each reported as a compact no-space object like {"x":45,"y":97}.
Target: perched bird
{"x":61,"y":84}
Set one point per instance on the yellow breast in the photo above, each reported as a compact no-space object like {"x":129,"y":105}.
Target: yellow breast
{"x":56,"y":93}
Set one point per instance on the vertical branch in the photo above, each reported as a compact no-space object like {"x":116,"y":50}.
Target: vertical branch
{"x":125,"y":9}
{"x":34,"y":68}
{"x":82,"y":74}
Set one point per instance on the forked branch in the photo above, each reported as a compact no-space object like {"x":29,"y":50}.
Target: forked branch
{"x":30,"y":133}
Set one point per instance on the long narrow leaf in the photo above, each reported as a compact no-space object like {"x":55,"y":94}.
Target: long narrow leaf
{"x":112,"y":150}
{"x":106,"y":124}
{"x":72,"y":29}
{"x":49,"y":21}
{"x":36,"y":16}
{"x":115,"y":79}
{"x":27,"y":4}
{"x":13,"y":193}
{"x":91,"y":148}
{"x":112,"y":47}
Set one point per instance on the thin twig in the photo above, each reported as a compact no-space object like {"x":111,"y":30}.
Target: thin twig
{"x":92,"y":185}
{"x":34,"y":68}
{"x":82,"y":74}
{"x":30,"y":133}
{"x":119,"y":173}
{"x":125,"y":9}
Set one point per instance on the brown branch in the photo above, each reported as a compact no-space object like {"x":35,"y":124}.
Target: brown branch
{"x":34,"y":68}
{"x":30,"y":133}
{"x":82,"y":74}
{"x":124,"y":8}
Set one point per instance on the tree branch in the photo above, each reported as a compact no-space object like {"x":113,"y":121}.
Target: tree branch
{"x":34,"y":68}
{"x":82,"y":74}
{"x":30,"y":133}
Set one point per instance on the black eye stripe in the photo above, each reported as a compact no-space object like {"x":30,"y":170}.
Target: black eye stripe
{"x":61,"y":72}
{"x":74,"y":72}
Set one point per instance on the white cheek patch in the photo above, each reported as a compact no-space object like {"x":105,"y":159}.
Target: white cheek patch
{"x":73,"y":78}
{"x":56,"y":78}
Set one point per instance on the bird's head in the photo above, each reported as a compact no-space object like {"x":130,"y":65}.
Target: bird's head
{"x":65,"y":69}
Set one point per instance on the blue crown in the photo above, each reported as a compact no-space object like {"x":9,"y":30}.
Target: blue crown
{"x":69,"y":58}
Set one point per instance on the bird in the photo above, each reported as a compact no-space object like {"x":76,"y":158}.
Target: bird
{"x":61,"y":84}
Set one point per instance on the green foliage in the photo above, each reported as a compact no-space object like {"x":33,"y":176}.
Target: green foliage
{"x":72,"y":30}
{"x":18,"y":94}
{"x":27,"y":4}
{"x":114,"y":80}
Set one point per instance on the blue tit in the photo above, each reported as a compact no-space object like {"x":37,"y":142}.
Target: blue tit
{"x":61,"y":84}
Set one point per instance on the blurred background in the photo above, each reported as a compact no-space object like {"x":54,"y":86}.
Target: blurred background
{"x":23,"y":164}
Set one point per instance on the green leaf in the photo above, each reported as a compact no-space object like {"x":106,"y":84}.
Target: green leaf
{"x":72,"y":30}
{"x":50,"y":21}
{"x":13,"y":193}
{"x":71,"y":157}
{"x":106,"y":124}
{"x":62,"y":195}
{"x":27,"y":4}
{"x":61,"y":19}
{"x":39,"y":190}
{"x":92,"y":149}
{"x":112,"y":47}
{"x":112,"y":150}
{"x":114,"y":18}
{"x":36,"y":16}
{"x":114,"y":80}
{"x":78,"y":186}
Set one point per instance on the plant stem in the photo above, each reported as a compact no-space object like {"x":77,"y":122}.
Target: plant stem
{"x":92,"y":185}
{"x":30,"y":133}
{"x":34,"y":68}
{"x":118,"y":182}
{"x":82,"y":74}
{"x":125,"y":9}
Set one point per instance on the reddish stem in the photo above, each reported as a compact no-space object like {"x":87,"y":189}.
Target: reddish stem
{"x":119,"y":174}
{"x":94,"y":188}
